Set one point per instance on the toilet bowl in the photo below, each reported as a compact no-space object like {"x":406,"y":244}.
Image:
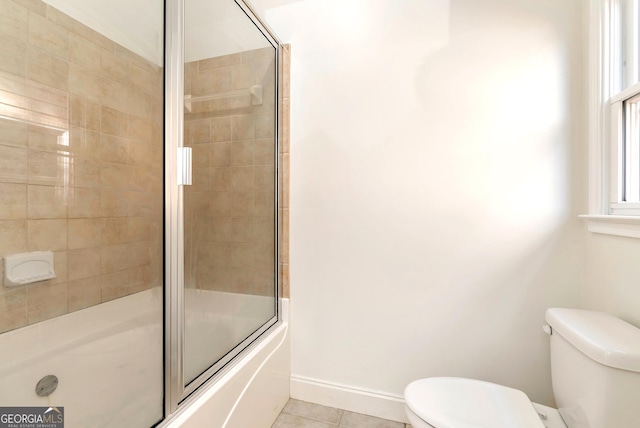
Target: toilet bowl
{"x":593,"y":355}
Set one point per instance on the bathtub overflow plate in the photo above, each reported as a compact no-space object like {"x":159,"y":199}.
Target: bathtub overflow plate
{"x":46,"y":385}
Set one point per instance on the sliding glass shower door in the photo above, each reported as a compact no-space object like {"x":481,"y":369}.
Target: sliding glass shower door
{"x":226,"y":262}
{"x":129,"y":275}
{"x":229,"y":210}
{"x":81,"y":191}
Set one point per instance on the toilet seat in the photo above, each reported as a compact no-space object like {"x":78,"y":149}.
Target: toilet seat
{"x":448,"y":402}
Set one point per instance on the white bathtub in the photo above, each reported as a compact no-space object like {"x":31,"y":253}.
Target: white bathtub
{"x":255,"y":388}
{"x":109,"y":358}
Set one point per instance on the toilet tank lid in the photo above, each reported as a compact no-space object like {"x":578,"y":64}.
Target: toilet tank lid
{"x":602,"y":337}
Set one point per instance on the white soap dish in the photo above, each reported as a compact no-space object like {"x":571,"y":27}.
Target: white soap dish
{"x":26,"y":268}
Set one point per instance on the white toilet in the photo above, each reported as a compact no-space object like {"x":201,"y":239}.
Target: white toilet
{"x":595,"y":370}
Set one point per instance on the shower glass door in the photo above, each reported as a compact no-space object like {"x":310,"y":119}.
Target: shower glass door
{"x":230,"y":210}
{"x":81,"y":180}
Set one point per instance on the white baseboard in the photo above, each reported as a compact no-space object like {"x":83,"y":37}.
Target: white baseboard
{"x":372,"y":403}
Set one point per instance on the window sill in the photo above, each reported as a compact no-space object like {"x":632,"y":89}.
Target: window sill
{"x":620,"y":225}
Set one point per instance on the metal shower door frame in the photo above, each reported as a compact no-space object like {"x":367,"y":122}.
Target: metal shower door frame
{"x":177,"y":395}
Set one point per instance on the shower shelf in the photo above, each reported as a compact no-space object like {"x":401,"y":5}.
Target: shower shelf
{"x":254,"y":91}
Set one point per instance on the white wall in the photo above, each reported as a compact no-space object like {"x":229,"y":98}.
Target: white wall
{"x":612,"y":276}
{"x":436,"y":183}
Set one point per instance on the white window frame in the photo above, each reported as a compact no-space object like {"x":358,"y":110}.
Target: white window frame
{"x":607,"y":213}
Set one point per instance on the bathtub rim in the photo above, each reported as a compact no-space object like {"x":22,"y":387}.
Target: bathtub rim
{"x":103,"y":325}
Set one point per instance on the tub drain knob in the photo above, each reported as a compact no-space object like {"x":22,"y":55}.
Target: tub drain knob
{"x":46,"y":385}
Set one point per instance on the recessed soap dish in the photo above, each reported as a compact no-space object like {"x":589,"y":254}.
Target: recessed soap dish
{"x":26,"y":268}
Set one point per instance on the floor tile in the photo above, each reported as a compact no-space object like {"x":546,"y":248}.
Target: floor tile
{"x":286,"y":420}
{"x":301,"y":414}
{"x":313,"y":411}
{"x":357,"y":420}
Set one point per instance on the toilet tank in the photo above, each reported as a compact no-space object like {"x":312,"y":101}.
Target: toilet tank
{"x":595,"y":369}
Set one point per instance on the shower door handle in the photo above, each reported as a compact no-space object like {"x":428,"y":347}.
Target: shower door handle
{"x":184,"y":166}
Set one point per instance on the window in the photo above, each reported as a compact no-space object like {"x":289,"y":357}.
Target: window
{"x":631,"y":153}
{"x":614,"y":202}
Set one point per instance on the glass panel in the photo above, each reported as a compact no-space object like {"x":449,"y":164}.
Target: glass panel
{"x":229,"y":210}
{"x":630,"y":58}
{"x":632,"y":150}
{"x":81,"y":125}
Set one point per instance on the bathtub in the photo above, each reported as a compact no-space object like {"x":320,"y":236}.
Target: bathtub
{"x":108,"y":360}
{"x":253,"y":390}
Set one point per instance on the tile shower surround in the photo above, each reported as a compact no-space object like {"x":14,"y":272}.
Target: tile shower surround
{"x":89,"y":190}
{"x":97,"y":201}
{"x":283,"y":174}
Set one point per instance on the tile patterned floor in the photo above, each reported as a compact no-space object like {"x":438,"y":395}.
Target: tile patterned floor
{"x":299,"y":414}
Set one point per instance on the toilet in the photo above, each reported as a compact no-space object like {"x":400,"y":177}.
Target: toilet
{"x":595,"y":372}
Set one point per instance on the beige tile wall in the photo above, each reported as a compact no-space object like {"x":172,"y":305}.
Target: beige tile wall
{"x":284,"y":177}
{"x":89,"y":186}
{"x":229,"y":210}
